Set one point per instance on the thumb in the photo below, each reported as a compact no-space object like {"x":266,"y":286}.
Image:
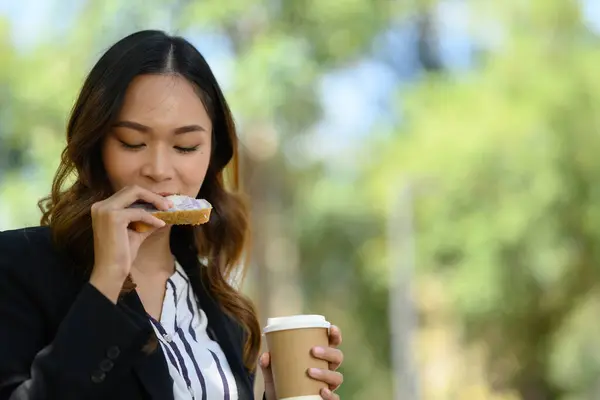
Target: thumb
{"x":143,"y":231}
{"x":265,"y":365}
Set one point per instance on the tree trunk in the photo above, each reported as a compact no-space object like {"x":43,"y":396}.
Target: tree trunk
{"x":273,"y":254}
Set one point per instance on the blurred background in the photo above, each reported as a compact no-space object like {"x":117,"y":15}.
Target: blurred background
{"x":423,"y":173}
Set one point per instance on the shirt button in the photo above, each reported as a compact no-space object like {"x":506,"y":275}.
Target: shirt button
{"x":106,"y":365}
{"x":113,"y":352}
{"x":168,"y":338}
{"x":98,"y":377}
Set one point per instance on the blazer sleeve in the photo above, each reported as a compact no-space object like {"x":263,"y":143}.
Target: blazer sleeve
{"x":95,"y":344}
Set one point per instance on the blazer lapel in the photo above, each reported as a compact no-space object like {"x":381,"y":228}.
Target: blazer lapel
{"x":221,"y":330}
{"x":220,"y":327}
{"x":151,"y":370}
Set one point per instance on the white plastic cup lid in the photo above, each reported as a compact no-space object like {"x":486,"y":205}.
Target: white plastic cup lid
{"x":296,"y":322}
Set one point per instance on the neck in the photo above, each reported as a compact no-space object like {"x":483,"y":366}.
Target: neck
{"x":154,"y":255}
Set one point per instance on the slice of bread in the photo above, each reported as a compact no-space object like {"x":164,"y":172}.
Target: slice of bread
{"x":185,"y":211}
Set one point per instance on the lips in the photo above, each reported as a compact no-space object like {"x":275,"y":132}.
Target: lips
{"x":165,"y":194}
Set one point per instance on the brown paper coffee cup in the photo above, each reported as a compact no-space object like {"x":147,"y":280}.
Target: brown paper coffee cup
{"x":289,"y":340}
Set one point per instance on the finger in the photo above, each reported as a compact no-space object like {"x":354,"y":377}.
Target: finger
{"x":335,"y":336}
{"x":333,"y":379}
{"x":129,"y":195}
{"x":333,"y":356}
{"x":328,"y":394}
{"x":265,"y":360}
{"x":141,"y":227}
{"x":138,"y":215}
{"x":265,"y":365}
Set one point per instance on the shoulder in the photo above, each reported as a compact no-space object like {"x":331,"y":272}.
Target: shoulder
{"x":28,"y":257}
{"x":27,"y":246}
{"x":21,"y":241}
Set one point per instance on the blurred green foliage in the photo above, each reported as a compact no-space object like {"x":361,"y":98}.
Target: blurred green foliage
{"x":512,"y":223}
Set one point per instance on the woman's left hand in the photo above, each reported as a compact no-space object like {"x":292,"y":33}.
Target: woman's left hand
{"x":331,"y":376}
{"x":334,"y":356}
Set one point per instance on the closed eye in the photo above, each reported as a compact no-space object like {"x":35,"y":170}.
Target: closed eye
{"x":186,"y":149}
{"x":180,"y":149}
{"x":131,"y":146}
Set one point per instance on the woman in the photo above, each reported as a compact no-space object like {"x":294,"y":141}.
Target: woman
{"x":90,"y":309}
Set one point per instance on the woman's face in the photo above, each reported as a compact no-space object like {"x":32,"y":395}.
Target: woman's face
{"x":162,"y":138}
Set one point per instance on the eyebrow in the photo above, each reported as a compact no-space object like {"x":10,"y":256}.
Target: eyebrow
{"x":145,"y":129}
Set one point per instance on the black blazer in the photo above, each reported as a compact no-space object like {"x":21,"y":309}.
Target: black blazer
{"x":60,"y":338}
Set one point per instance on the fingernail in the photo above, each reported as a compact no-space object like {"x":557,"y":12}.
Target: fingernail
{"x":326,"y":392}
{"x":263,"y":360}
{"x":318,"y":351}
{"x":313,"y":371}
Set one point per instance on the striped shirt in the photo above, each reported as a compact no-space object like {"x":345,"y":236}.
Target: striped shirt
{"x":196,"y":363}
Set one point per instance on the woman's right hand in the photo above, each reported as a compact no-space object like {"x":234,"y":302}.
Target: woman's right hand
{"x":116,"y":246}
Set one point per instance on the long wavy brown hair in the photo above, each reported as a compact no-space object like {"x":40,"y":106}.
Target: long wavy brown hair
{"x":81,"y":180}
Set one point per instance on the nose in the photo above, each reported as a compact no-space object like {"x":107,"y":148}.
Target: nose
{"x":157,"y":166}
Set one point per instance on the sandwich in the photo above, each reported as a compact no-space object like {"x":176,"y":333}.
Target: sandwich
{"x":185,"y":211}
